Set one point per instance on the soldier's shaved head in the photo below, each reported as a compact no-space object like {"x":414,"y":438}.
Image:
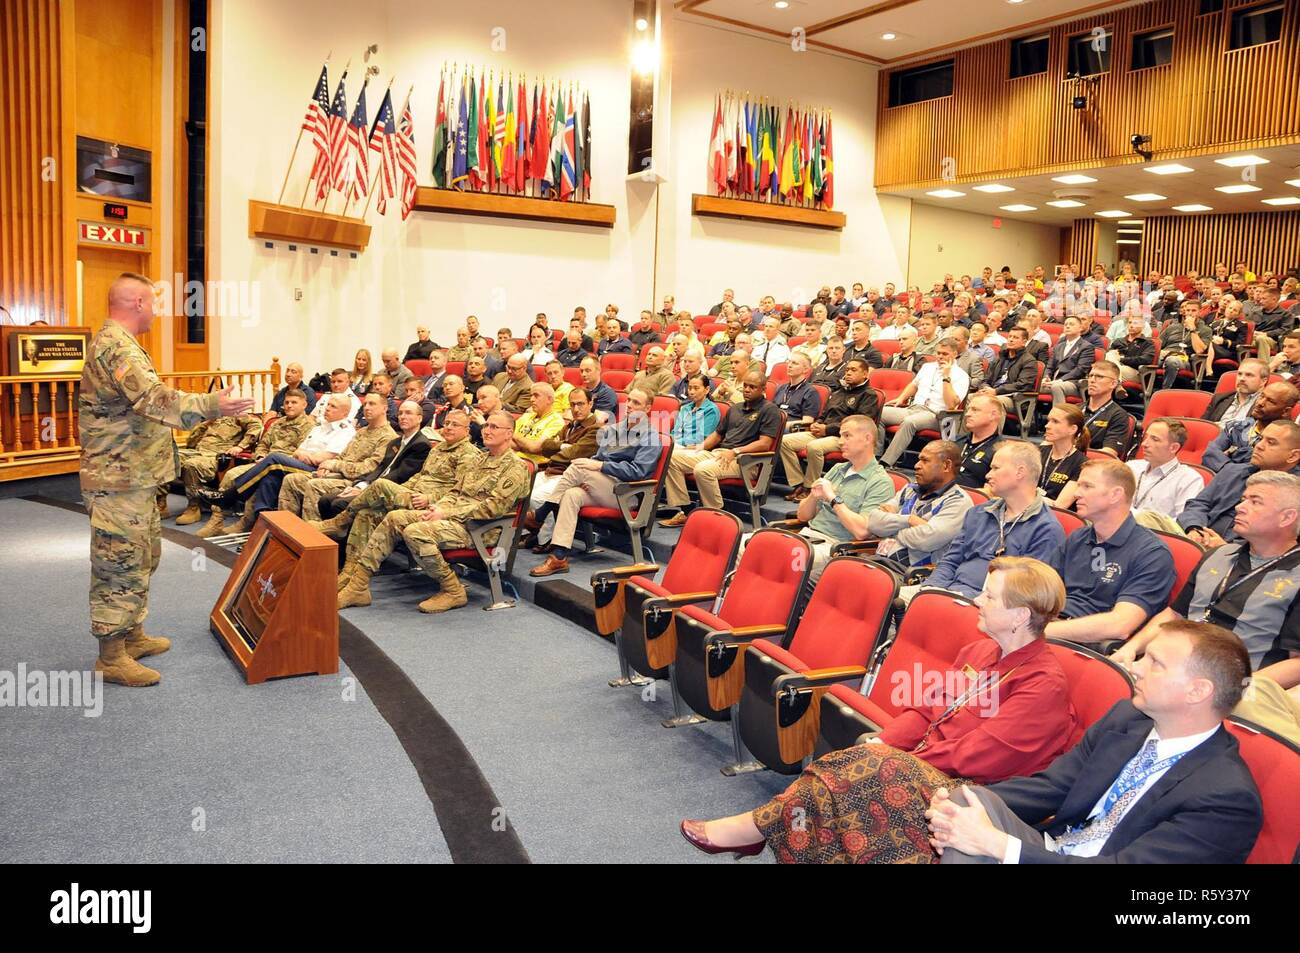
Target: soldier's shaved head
{"x":131,"y":301}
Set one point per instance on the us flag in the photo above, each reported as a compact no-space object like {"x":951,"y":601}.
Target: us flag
{"x":357,"y":163}
{"x":338,"y":122}
{"x":383,"y":139}
{"x":406,"y":157}
{"x":317,"y":122}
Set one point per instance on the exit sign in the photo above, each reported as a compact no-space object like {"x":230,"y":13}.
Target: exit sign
{"x":118,"y":236}
{"x":114,"y":210}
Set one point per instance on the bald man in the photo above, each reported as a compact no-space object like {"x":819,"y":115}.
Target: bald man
{"x":293,"y":374}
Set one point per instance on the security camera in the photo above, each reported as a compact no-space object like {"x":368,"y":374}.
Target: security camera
{"x":1137,"y":141}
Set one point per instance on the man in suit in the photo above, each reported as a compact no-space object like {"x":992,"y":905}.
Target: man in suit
{"x":1068,"y":366}
{"x":1157,"y":780}
{"x":1237,"y":404}
{"x":403,"y":458}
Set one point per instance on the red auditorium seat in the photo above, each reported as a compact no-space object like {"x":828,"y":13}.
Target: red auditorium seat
{"x":887,"y":348}
{"x":976,"y":496}
{"x":638,"y":500}
{"x":891,"y":383}
{"x":1176,"y":403}
{"x":418,"y":367}
{"x":777,"y":373}
{"x":637,"y":611}
{"x":663,"y":412}
{"x":1096,"y":683}
{"x":1200,"y":433}
{"x":493,"y":560}
{"x":934,"y":629}
{"x":455,"y":367}
{"x":780,"y":704}
{"x":618,"y":380}
{"x":1187,"y":555}
{"x":1274,"y":763}
{"x":900,"y":479}
{"x":760,"y":600}
{"x":1206,"y":474}
{"x":1069,"y":520}
{"x":618,"y":362}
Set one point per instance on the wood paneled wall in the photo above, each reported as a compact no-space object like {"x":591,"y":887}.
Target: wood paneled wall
{"x":1267,"y":241}
{"x":34,"y":279}
{"x":1082,"y":249}
{"x":1206,"y":99}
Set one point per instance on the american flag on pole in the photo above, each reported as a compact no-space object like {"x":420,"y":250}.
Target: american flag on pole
{"x":383,"y":139}
{"x":357,"y":162}
{"x":338,"y":123}
{"x":317,"y":122}
{"x":406,"y":157}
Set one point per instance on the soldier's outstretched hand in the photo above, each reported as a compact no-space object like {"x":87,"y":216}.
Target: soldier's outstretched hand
{"x":233,"y":406}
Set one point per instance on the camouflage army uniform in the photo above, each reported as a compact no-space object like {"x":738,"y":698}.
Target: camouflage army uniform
{"x":383,"y":509}
{"x":487,"y":490}
{"x":460,"y":354}
{"x":207,"y":440}
{"x":300,"y":493}
{"x":283,"y":436}
{"x":126,"y":416}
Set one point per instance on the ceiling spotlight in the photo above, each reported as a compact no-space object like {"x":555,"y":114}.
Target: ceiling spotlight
{"x":1112,"y":213}
{"x":781,"y":4}
{"x":1128,"y":241}
{"x":889,"y":36}
{"x":1144,"y":197}
{"x":1018,"y":208}
{"x":994,"y":188}
{"x":1065,"y":203}
{"x":1236,"y":162}
{"x":1073,"y":179}
{"x":1193,"y":208}
{"x":641,"y":24}
{"x":1285,"y":200}
{"x":946,"y":193}
{"x":1236,"y":189}
{"x":1170,"y":168}
{"x":1129,"y":221}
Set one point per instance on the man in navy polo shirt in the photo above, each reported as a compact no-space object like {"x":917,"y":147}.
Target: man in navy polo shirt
{"x":797,"y":397}
{"x":603,"y":398}
{"x":1117,"y":574}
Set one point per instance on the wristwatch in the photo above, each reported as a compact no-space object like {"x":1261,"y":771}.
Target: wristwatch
{"x":837,"y":501}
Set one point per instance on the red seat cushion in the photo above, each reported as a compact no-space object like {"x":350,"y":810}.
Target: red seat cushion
{"x":780,"y":655}
{"x":861,"y":704}
{"x":601,"y":513}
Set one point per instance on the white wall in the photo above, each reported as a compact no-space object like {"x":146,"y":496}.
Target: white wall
{"x":947,"y":241}
{"x":437,"y":268}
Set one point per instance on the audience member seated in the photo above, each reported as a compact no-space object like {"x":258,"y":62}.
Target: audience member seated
{"x":812,"y":347}
{"x":908,"y":358}
{"x":692,"y":365}
{"x":1105,"y":420}
{"x":576,"y":440}
{"x":1064,"y":450}
{"x":395,"y":369}
{"x":463,"y":350}
{"x":656,"y":379}
{"x":419,"y":351}
{"x":514,"y":384}
{"x":538,"y":353}
{"x":382,"y":385}
{"x":901,"y":320}
{"x":292,"y":380}
{"x":413,"y":391}
{"x":1015,"y":522}
{"x":1068,"y":366}
{"x":560,"y":384}
{"x":628,"y":451}
{"x":301,"y":492}
{"x":1228,"y":328}
{"x":698,"y":416}
{"x":573,"y":351}
{"x":645,"y":331}
{"x":966,"y":359}
{"x":859,"y":346}
{"x":604,"y":400}
{"x":728,"y":296}
{"x":749,"y":427}
{"x":1164,"y":483}
{"x":939,"y":387}
{"x":437,"y":374}
{"x":578,"y":323}
{"x":831,"y":368}
{"x":492,"y":362}
{"x":203,"y":445}
{"x":1117,"y":574}
{"x":455,"y":397}
{"x":724,"y":369}
{"x":1185,"y":335}
{"x":612,"y":341}
{"x":284,"y":435}
{"x":983,"y":419}
{"x":1238,"y":439}
{"x":1134,"y":350}
{"x":927,"y":335}
{"x":340,"y":383}
{"x":867,"y":804}
{"x":1286,"y":363}
{"x":797,"y":398}
{"x":362,"y":373}
{"x":1208,"y":516}
{"x":539,"y":424}
{"x":1014,"y":370}
{"x":854,"y":396}
{"x":770,"y":345}
{"x":925,"y":516}
{"x":724,"y":341}
{"x":1104,"y":800}
{"x":1237,"y":403}
{"x":1271,"y":321}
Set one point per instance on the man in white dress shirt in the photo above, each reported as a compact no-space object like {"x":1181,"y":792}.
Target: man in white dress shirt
{"x":1164,"y":483}
{"x":939,"y":387}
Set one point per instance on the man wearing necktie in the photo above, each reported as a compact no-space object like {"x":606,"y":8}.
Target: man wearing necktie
{"x":1157,"y":780}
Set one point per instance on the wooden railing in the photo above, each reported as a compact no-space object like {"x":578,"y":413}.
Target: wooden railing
{"x":38,"y":414}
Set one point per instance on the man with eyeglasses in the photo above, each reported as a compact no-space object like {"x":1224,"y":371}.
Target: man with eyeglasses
{"x":1106,"y":420}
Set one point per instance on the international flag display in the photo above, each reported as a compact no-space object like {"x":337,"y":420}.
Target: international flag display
{"x":761,"y":151}
{"x":317,"y":122}
{"x":383,"y":141}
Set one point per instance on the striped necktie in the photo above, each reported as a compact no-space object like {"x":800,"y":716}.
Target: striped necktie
{"x":1129,"y":783}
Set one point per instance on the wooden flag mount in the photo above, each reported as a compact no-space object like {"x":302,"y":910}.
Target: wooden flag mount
{"x":288,"y":223}
{"x":721,"y":207}
{"x":495,"y":205}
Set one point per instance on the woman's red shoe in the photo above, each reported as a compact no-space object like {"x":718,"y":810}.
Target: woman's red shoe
{"x":693,"y":831}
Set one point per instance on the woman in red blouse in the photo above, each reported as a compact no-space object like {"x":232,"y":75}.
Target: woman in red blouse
{"x":1003,"y":710}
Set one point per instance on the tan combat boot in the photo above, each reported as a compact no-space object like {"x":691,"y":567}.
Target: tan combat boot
{"x":452,"y":596}
{"x":119,"y":668}
{"x":192,"y":514}
{"x":213,"y":526}
{"x":335,"y":527}
{"x":244,"y":523}
{"x":349,"y":566}
{"x":138,"y":645}
{"x":356,"y":591}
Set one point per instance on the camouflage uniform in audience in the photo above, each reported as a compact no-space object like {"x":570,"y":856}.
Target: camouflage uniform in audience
{"x":301,"y":493}
{"x":205,"y":442}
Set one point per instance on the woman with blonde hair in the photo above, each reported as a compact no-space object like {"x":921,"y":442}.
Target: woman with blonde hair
{"x":1003,"y":709}
{"x":363,"y":372}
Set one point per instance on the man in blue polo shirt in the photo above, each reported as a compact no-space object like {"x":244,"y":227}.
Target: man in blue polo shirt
{"x":603,"y":398}
{"x":1117,"y":574}
{"x":797,"y":397}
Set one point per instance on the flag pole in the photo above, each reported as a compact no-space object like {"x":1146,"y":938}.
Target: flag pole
{"x":305,"y":191}
{"x":294,"y":155}
{"x":370,"y":193}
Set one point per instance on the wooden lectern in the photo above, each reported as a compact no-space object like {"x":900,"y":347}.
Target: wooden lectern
{"x":277,"y":614}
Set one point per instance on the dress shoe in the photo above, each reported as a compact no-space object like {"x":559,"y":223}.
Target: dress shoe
{"x":797,"y":494}
{"x":552,"y":566}
{"x":678,"y":520}
{"x":693,"y":831}
{"x":529,"y":541}
{"x":541,"y":549}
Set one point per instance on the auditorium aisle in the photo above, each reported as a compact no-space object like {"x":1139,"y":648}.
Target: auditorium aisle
{"x":290,"y":771}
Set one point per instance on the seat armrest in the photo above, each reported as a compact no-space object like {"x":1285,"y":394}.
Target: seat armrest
{"x":631,"y":486}
{"x":622,"y":572}
{"x":790,"y":524}
{"x":855,"y":547}
{"x":730,"y":638}
{"x":818,"y":677}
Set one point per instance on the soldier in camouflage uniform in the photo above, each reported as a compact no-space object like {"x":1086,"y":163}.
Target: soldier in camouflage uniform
{"x":199,"y":455}
{"x":300,"y":493}
{"x":127,"y":452}
{"x":376,"y":516}
{"x":489,"y":489}
{"x":284,"y":435}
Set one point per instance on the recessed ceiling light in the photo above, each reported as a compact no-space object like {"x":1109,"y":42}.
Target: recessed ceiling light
{"x":1128,"y":241}
{"x":1171,"y":168}
{"x":1129,"y":221}
{"x":1065,"y":203}
{"x":994,"y":188}
{"x":1236,"y":189}
{"x":1285,"y":200}
{"x":1235,"y":162}
{"x":889,"y":36}
{"x":1015,"y":1}
{"x":1294,"y":183}
{"x":641,"y":24}
{"x":1193,"y":208}
{"x":781,"y":4}
{"x":1018,"y":208}
{"x":1144,"y":197}
{"x":1128,"y":231}
{"x":946,"y":193}
{"x":1073,"y":179}
{"x":1112,"y":213}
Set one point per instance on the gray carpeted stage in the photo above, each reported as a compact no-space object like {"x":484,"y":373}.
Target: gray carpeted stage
{"x":206,"y":768}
